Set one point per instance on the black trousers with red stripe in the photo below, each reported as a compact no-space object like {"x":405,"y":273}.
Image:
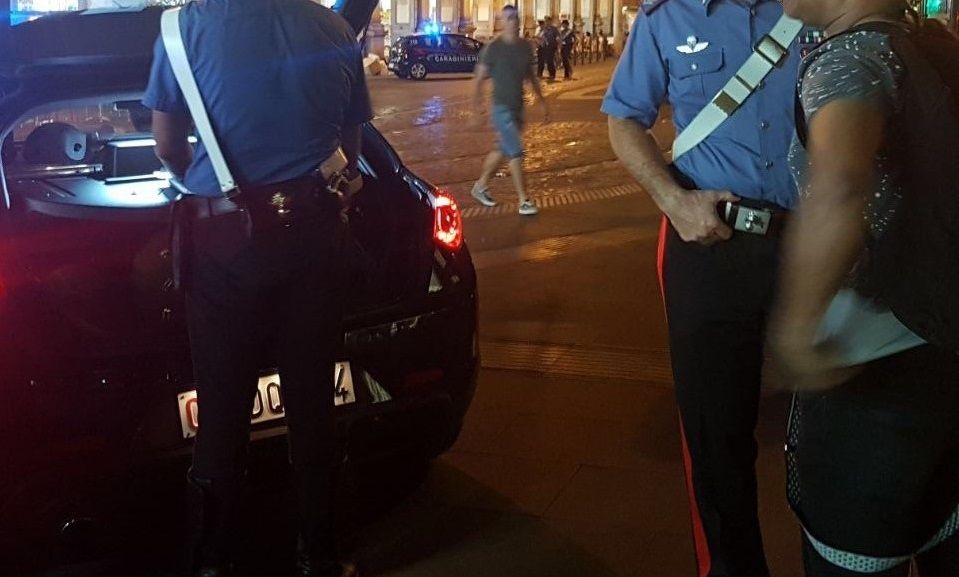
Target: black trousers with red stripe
{"x":717,"y":300}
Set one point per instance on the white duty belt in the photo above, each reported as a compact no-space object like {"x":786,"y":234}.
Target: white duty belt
{"x":770,"y":52}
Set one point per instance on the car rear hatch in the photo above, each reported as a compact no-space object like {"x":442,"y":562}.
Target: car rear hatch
{"x":85,"y":288}
{"x":92,"y":336}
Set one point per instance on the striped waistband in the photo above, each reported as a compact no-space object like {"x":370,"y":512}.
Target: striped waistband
{"x":866,"y":564}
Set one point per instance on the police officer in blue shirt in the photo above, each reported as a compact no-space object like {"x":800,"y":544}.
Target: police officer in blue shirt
{"x":285,"y":89}
{"x":717,"y":283}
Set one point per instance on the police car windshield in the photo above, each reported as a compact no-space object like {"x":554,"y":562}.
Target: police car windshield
{"x":429,"y":41}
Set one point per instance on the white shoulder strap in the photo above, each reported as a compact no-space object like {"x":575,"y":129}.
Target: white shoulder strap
{"x":769,"y":53}
{"x":173,"y":42}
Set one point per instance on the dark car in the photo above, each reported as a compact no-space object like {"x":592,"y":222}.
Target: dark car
{"x":420,"y":55}
{"x":95,"y":370}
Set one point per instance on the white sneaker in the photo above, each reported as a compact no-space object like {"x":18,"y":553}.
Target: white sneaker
{"x":528,"y":208}
{"x":482,"y":195}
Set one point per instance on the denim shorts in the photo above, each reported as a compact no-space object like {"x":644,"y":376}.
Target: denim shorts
{"x":509,"y":125}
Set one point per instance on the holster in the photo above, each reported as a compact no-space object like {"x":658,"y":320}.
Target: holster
{"x":325,"y":191}
{"x":180,"y":244}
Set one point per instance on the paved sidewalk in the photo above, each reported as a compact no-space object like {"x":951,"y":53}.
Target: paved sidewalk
{"x":570,"y":463}
{"x":433,"y":136}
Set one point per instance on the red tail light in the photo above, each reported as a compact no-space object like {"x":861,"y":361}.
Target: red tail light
{"x":447,"y":221}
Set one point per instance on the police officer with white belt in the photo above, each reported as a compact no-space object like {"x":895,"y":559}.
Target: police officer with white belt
{"x":279,"y":98}
{"x":728,"y":71}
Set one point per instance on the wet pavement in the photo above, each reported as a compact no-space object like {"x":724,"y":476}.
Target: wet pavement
{"x":569,"y":463}
{"x":434,"y":138}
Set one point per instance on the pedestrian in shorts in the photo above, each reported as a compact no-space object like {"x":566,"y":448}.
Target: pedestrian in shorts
{"x":508,"y":61}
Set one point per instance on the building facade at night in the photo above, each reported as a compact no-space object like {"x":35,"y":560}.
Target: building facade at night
{"x":945,"y":10}
{"x":479,"y":18}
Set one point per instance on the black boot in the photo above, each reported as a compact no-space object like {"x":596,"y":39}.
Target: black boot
{"x":214,"y":506}
{"x":316,"y":546}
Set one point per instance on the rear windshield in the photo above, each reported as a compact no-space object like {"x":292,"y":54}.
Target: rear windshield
{"x":103,"y":119}
{"x":82,"y":134}
{"x":98,"y":153}
{"x":101,"y":153}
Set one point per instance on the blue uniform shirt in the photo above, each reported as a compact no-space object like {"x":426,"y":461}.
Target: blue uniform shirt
{"x":278,"y":77}
{"x":747,"y":155}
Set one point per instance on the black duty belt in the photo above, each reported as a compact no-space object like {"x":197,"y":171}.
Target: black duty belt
{"x":280,"y":201}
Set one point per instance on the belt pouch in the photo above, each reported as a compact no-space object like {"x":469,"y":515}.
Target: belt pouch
{"x":284,"y":204}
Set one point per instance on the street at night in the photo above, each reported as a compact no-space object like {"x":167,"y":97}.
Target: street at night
{"x":459,"y":369}
{"x":294,"y":202}
{"x":570,"y":461}
{"x":331,"y":288}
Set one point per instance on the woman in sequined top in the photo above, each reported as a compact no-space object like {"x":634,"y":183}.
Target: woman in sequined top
{"x":873,"y":447}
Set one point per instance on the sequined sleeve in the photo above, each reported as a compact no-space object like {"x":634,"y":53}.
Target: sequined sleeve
{"x":859,"y":66}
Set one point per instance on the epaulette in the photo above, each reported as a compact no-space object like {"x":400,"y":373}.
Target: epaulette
{"x":650,"y":6}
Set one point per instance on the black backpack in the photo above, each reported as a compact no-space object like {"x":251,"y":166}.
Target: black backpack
{"x":914,"y":267}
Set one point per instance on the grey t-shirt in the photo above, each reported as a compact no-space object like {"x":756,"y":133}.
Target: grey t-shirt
{"x":510,"y":64}
{"x":857,"y":66}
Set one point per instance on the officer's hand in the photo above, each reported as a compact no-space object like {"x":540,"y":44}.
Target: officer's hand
{"x":694,"y":215}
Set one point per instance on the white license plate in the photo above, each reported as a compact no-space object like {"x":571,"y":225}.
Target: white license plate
{"x":268,"y":403}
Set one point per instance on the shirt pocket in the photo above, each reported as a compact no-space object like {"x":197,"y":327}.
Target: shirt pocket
{"x":697,"y":76}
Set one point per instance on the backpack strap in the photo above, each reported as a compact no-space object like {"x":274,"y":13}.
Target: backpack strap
{"x":802,"y":130}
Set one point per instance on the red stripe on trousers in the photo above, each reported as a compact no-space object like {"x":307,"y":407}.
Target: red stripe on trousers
{"x":704,"y":560}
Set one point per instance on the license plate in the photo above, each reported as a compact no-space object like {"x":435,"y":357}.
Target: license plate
{"x":268,"y":403}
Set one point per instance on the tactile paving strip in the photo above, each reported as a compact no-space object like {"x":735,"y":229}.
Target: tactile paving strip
{"x":553,"y":200}
{"x":650,"y":365}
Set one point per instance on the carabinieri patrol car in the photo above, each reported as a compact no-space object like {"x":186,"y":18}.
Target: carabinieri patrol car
{"x":419,"y":55}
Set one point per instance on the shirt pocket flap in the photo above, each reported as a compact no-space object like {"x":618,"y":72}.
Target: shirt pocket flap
{"x":686,"y":65}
